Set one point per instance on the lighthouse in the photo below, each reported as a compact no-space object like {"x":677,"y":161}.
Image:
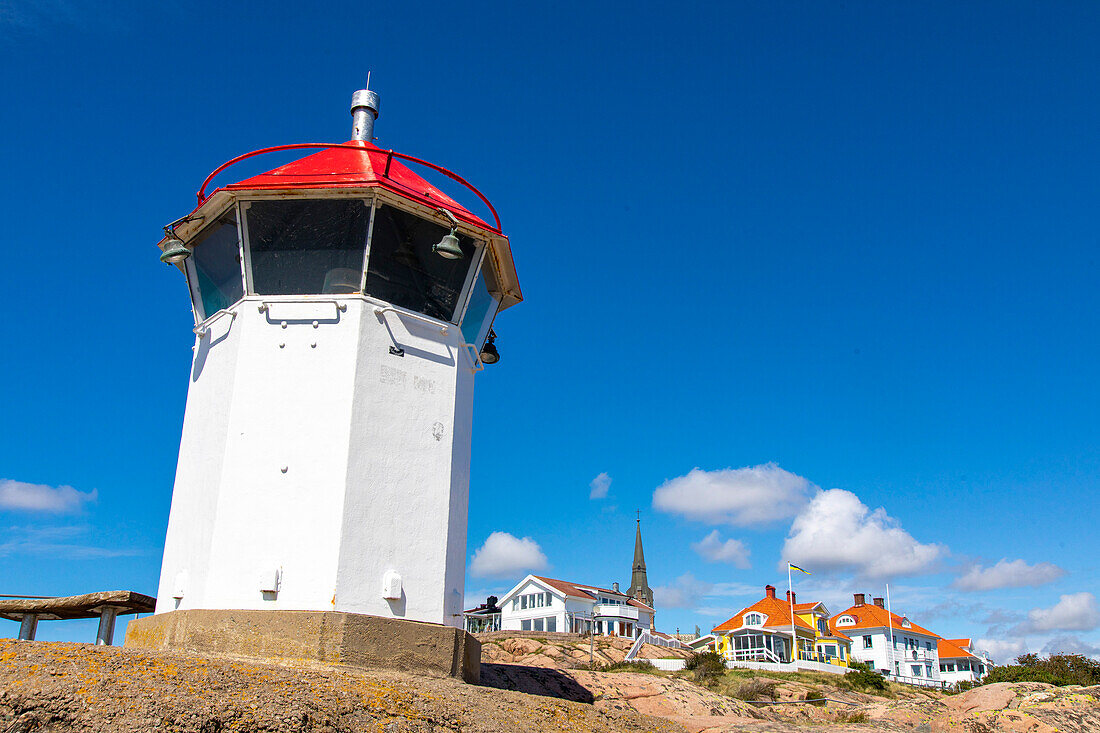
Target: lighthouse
{"x":343,"y":308}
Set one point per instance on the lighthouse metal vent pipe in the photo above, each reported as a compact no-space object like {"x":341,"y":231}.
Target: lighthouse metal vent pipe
{"x":364,"y":111}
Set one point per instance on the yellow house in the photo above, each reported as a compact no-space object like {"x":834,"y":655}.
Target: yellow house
{"x":829,"y":645}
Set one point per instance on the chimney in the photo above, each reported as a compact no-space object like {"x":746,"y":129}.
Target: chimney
{"x":880,"y":603}
{"x":791,"y":597}
{"x":859,"y":598}
{"x":769,"y":591}
{"x":615,"y":587}
{"x":364,"y":111}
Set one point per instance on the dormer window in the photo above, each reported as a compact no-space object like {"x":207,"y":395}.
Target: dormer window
{"x":754,"y":619}
{"x":845,"y":621}
{"x":905,"y":623}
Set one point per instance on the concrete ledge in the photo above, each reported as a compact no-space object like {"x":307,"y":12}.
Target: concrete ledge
{"x":325,"y":636}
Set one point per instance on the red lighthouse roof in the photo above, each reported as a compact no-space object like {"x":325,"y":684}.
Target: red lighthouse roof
{"x":358,"y":164}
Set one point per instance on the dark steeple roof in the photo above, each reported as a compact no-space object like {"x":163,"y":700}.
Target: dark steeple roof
{"x":639,"y":584}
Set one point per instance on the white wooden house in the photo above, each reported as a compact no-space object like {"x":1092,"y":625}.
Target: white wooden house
{"x":550,"y":605}
{"x":911,"y":656}
{"x":960,"y":662}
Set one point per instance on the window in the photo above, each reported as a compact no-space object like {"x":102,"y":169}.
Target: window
{"x":484,"y":299}
{"x":928,"y":670}
{"x":540,"y":599}
{"x":523,"y":602}
{"x":515,"y":603}
{"x":916,"y":670}
{"x":539,"y":625}
{"x":928,"y":645}
{"x":215,"y":266}
{"x":525,"y":624}
{"x":753,"y":619}
{"x":845,"y":621}
{"x":964,"y":665}
{"x":549,"y":599}
{"x":304,"y":246}
{"x":866,"y":642}
{"x":403,"y":270}
{"x":552,"y":623}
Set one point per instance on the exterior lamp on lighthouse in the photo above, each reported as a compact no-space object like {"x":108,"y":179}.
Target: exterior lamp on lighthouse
{"x":340,"y":324}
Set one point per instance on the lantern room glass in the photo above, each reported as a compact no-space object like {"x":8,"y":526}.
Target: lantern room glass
{"x":403,"y":270}
{"x":484,"y":300}
{"x":307,"y":246}
{"x":215,"y":265}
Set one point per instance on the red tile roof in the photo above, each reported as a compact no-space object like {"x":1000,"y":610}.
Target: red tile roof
{"x":870,"y":616}
{"x":778,"y":615}
{"x":577,"y":590}
{"x":565,"y":587}
{"x":953,"y":648}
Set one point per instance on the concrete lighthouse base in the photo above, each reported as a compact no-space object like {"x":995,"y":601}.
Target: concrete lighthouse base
{"x":325,"y":636}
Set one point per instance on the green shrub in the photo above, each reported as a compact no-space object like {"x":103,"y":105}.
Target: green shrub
{"x":862,"y":677}
{"x":857,"y":717}
{"x":1057,"y":669}
{"x":625,"y":666}
{"x":816,"y":695}
{"x":755,"y":690}
{"x":706,"y":667}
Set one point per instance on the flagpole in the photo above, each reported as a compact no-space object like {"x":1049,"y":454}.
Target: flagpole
{"x":890,"y":641}
{"x":790,"y":599}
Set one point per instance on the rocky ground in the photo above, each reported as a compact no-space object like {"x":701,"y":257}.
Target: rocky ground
{"x":63,"y":688}
{"x":77,"y":687}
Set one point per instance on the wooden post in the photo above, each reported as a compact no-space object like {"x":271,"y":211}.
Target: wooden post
{"x":27,"y":626}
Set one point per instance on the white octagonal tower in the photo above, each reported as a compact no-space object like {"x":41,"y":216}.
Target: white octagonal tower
{"x":343,"y":306}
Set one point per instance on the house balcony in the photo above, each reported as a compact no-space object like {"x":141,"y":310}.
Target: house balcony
{"x":613,"y":610}
{"x":914,"y":655}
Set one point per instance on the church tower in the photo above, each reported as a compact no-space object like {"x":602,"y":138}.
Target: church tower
{"x":639,"y":585}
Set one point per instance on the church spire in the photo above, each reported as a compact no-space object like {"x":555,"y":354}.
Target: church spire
{"x":639,"y":584}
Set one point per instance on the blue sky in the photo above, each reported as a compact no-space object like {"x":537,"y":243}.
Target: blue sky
{"x":801,"y":247}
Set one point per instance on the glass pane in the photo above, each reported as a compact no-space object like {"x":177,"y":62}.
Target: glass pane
{"x":482,"y":308}
{"x":307,"y":246}
{"x":217,"y":261}
{"x":403,"y":270}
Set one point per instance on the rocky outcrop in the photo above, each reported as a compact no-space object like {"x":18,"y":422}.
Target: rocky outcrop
{"x":564,"y":651}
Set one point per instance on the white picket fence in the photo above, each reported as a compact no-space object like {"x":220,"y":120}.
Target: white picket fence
{"x":667,"y":665}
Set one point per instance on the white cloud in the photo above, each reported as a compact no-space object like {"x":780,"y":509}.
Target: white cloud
{"x":714,"y":549}
{"x":41,"y":498}
{"x":599,"y":486}
{"x":56,"y":542}
{"x":722,"y":612}
{"x":1067,"y":644}
{"x":1002,"y":651}
{"x":1072,"y":612}
{"x":735,"y":590}
{"x":836,"y":531}
{"x":736,"y":496}
{"x":504,"y":555}
{"x":1006,"y":574}
{"x":684,"y":592}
